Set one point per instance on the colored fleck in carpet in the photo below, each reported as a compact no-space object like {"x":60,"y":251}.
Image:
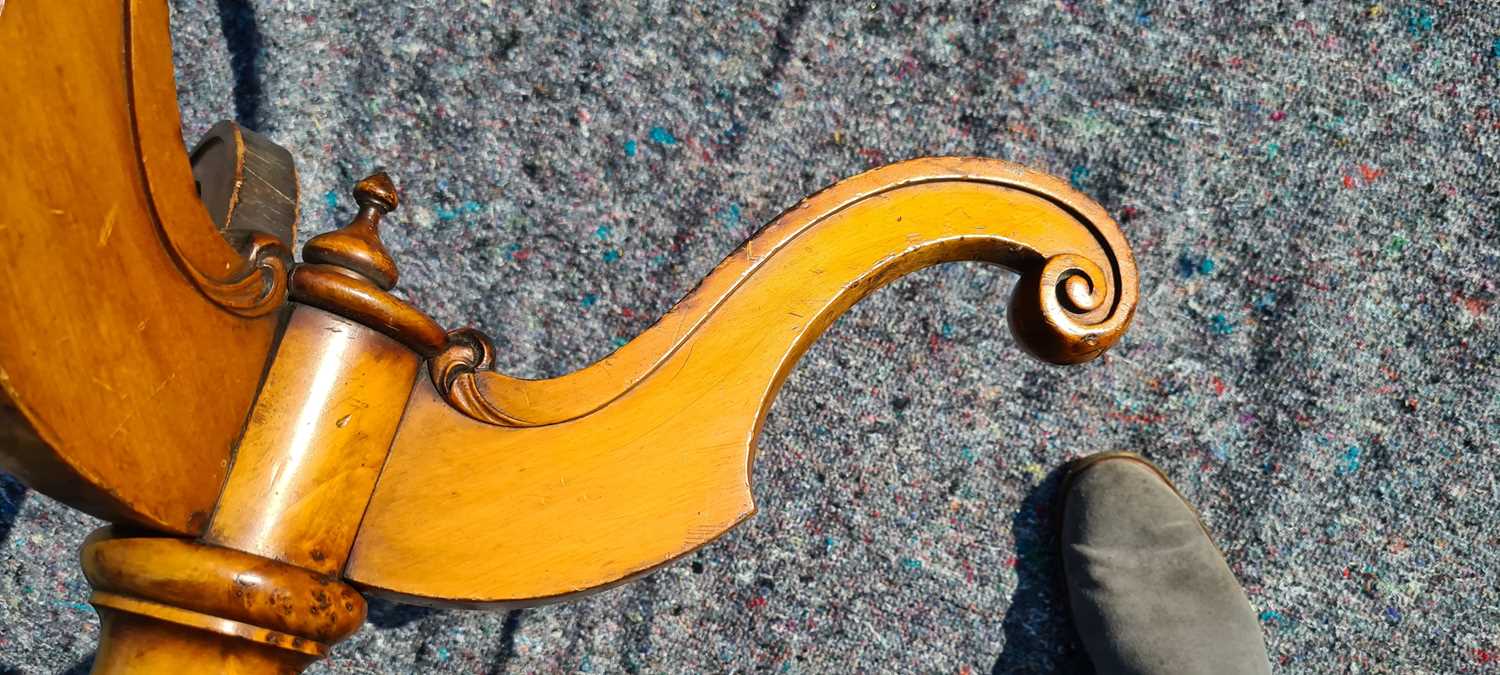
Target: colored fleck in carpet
{"x":1311,"y":190}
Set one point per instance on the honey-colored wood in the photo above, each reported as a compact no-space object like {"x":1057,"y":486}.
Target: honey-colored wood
{"x":316,"y":440}
{"x":1039,"y":319}
{"x":136,"y":336}
{"x":137,"y":644}
{"x":172,"y":605}
{"x":259,"y":588}
{"x":528,"y":491}
{"x":300,"y":604}
{"x":153,"y":374}
{"x":251,"y":282}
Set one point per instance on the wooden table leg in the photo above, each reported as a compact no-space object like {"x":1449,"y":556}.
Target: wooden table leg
{"x":132,"y":643}
{"x":259,"y":591}
{"x":172,"y":605}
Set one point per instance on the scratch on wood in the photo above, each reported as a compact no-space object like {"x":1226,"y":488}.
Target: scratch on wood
{"x":269,"y":184}
{"x":109,"y":224}
{"x":698,"y":535}
{"x":685,"y":358}
{"x":163,"y":385}
{"x":102,"y":383}
{"x":120,"y":428}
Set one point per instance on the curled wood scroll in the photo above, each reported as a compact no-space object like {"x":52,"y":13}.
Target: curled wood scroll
{"x":251,"y":281}
{"x":138,"y":341}
{"x":1068,"y":308}
{"x":135,"y":336}
{"x":531,"y":490}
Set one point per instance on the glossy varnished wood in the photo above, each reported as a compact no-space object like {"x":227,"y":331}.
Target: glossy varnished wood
{"x":262,"y":579}
{"x":349,"y":272}
{"x":153,"y":374}
{"x":250,"y":281}
{"x":173,"y":605}
{"x":136,"y":336}
{"x":137,"y":644}
{"x":506,"y":491}
{"x":316,"y":441}
{"x":357,"y":246}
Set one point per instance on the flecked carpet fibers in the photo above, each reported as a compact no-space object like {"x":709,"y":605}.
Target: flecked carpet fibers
{"x":1311,"y":191}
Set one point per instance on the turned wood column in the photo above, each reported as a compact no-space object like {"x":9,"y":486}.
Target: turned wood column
{"x":259,"y":591}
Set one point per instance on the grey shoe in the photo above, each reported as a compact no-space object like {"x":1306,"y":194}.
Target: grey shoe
{"x":1149,"y":590}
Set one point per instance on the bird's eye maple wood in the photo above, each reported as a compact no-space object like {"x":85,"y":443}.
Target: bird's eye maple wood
{"x":271,"y":439}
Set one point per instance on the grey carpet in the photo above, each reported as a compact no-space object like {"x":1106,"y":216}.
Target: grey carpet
{"x":1311,"y":190}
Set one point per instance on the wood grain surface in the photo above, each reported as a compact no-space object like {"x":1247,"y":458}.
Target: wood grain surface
{"x":506,"y":491}
{"x":135,"y":335}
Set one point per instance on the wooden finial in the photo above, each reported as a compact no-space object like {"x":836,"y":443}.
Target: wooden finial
{"x":377,"y":190}
{"x":357,"y":246}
